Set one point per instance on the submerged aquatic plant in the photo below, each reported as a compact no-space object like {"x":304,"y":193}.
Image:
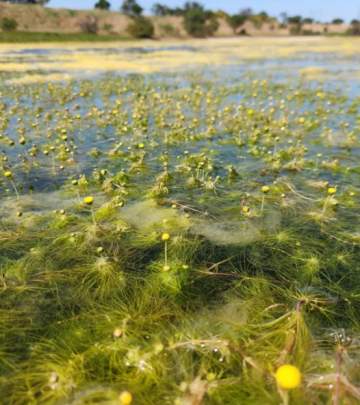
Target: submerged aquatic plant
{"x":220,"y":262}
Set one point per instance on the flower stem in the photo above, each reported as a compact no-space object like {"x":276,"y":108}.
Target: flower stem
{"x":15,"y":189}
{"x":286,"y":398}
{"x":93,"y":216}
{"x":262,"y":204}
{"x":165,"y":253}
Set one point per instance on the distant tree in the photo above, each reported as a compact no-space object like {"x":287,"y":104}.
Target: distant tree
{"x":264,"y":15}
{"x":131,"y":8}
{"x":103,"y":5}
{"x":195,"y":21}
{"x":297,"y":19}
{"x":246,"y":12}
{"x":308,"y":20}
{"x":236,"y":21}
{"x":355,"y":27}
{"x":160,"y":9}
{"x":338,"y":21}
{"x":141,"y":27}
{"x":178,"y":11}
{"x":209,"y":14}
{"x":193,"y":5}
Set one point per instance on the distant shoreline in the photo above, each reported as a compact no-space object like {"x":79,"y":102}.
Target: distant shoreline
{"x":35,"y":24}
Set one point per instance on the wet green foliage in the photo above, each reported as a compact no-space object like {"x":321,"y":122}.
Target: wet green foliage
{"x":256,"y":183}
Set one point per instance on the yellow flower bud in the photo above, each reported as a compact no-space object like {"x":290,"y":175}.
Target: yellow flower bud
{"x":118,"y":332}
{"x":125,"y":398}
{"x":265,"y":189}
{"x":88,"y":200}
{"x":165,"y":237}
{"x":288,"y":377}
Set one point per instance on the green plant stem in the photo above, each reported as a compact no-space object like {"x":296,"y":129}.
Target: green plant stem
{"x":93,"y":216}
{"x":165,"y":253}
{"x":15,"y":189}
{"x":53,"y":163}
{"x":325,"y":205}
{"x":262,"y":204}
{"x":286,"y":398}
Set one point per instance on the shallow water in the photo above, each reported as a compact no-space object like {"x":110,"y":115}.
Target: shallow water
{"x":183,"y":280}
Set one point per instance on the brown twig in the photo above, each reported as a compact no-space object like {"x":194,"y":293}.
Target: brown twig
{"x":208,"y":273}
{"x":186,"y":207}
{"x":338,"y":376}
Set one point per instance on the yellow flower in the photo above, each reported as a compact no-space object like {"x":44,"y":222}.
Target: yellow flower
{"x":64,"y":137}
{"x":8,"y":174}
{"x":331,"y":191}
{"x":46,"y":152}
{"x":246,"y":209}
{"x":141,"y":145}
{"x":166,"y":267}
{"x":165,"y":237}
{"x":288,"y":377}
{"x":118,"y":332}
{"x":125,"y":398}
{"x":88,"y":200}
{"x":265,"y":189}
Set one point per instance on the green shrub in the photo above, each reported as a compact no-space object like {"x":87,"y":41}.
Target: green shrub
{"x":108,"y":27}
{"x":296,"y":29}
{"x":71,"y":13}
{"x":141,"y":27}
{"x":338,"y":21}
{"x":236,"y":21}
{"x":169,"y":30}
{"x":89,"y":25}
{"x":8,"y":24}
{"x":212,"y":27}
{"x":257,"y":21}
{"x":196,"y":25}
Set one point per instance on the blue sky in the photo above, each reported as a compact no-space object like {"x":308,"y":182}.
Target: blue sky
{"x":323,"y":10}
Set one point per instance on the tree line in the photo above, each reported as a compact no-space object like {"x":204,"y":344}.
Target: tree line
{"x":198,"y":21}
{"x":202,"y":22}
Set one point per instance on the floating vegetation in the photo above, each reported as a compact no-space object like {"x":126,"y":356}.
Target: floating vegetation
{"x":182,"y":238}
